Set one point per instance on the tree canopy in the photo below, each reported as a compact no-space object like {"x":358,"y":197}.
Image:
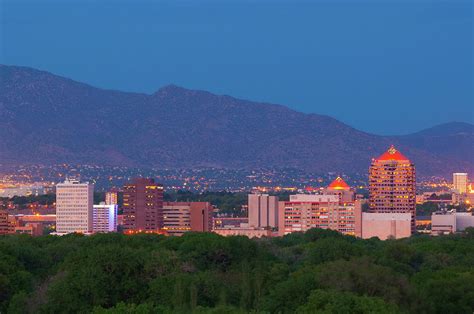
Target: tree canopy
{"x":317,"y":271}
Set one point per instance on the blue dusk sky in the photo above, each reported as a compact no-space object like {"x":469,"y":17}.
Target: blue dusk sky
{"x":385,"y":67}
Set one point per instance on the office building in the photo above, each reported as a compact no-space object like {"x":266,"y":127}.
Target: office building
{"x":181,"y":217}
{"x":386,"y":225}
{"x":262,"y":211}
{"x":111,"y":198}
{"x":303,"y":212}
{"x":104,"y":218}
{"x":5,"y":226}
{"x":446,"y":222}
{"x":219,"y":222}
{"x":74,"y":205}
{"x":460,"y":182}
{"x":32,"y":229}
{"x":392,"y":185}
{"x":142,"y":206}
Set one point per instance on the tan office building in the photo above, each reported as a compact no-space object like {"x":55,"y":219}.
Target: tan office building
{"x":392,"y":187}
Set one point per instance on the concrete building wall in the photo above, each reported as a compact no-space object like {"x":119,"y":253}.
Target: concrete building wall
{"x":443,"y":223}
{"x":386,"y":225}
{"x":263,"y":211}
{"x":464,"y":220}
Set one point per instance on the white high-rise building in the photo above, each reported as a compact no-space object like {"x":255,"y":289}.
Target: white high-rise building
{"x":74,"y":205}
{"x":104,"y":218}
{"x":263,"y":211}
{"x":460,"y":181}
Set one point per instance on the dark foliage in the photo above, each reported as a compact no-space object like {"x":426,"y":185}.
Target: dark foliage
{"x":316,"y":271}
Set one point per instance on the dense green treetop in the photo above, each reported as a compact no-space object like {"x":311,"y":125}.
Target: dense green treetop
{"x":317,"y":271}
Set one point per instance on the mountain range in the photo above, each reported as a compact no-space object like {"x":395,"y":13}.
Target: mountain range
{"x":48,"y":119}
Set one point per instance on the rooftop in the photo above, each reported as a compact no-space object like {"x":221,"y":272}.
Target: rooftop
{"x":339,"y":184}
{"x":392,"y":154}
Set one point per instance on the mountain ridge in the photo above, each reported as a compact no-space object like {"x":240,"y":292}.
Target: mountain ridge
{"x":63,"y":120}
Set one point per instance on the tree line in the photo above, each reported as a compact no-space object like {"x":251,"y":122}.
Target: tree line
{"x":316,"y":271}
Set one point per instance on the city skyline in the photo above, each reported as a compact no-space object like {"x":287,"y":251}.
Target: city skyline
{"x":236,"y":156}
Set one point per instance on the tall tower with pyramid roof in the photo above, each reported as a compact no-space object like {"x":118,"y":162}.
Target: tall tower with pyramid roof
{"x":392,"y":186}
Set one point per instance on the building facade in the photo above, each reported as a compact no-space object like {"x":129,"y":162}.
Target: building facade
{"x":246,"y":232}
{"x":386,"y":225}
{"x":111,"y":198}
{"x":104,"y":218}
{"x":142,"y":206}
{"x":460,"y":182}
{"x":5,"y":226}
{"x":262,"y":211}
{"x":392,"y":185}
{"x":303,"y":212}
{"x":74,"y":205}
{"x":340,"y":188}
{"x":443,"y":222}
{"x":181,"y":217}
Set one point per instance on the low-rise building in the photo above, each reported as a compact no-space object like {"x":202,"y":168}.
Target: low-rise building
{"x":446,"y":222}
{"x":5,"y":226}
{"x":181,"y":217}
{"x":104,"y":218}
{"x":386,"y":225}
{"x":303,"y":212}
{"x":245,"y":231}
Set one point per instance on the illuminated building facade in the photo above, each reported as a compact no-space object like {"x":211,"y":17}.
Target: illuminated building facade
{"x":5,"y":227}
{"x":340,"y":188}
{"x":460,"y":182}
{"x":74,"y":205}
{"x":104,"y":218}
{"x":181,"y":217}
{"x":303,"y":212}
{"x":142,"y":206}
{"x":392,"y":185}
{"x":262,"y":211}
{"x":111,"y":198}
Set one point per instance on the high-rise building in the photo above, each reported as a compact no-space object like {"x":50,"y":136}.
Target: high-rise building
{"x":181,"y":217}
{"x":111,"y":197}
{"x":303,"y":212}
{"x":74,"y":204}
{"x":104,"y":218}
{"x":392,"y":185}
{"x":460,"y":182}
{"x":263,"y":211}
{"x":142,"y":206}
